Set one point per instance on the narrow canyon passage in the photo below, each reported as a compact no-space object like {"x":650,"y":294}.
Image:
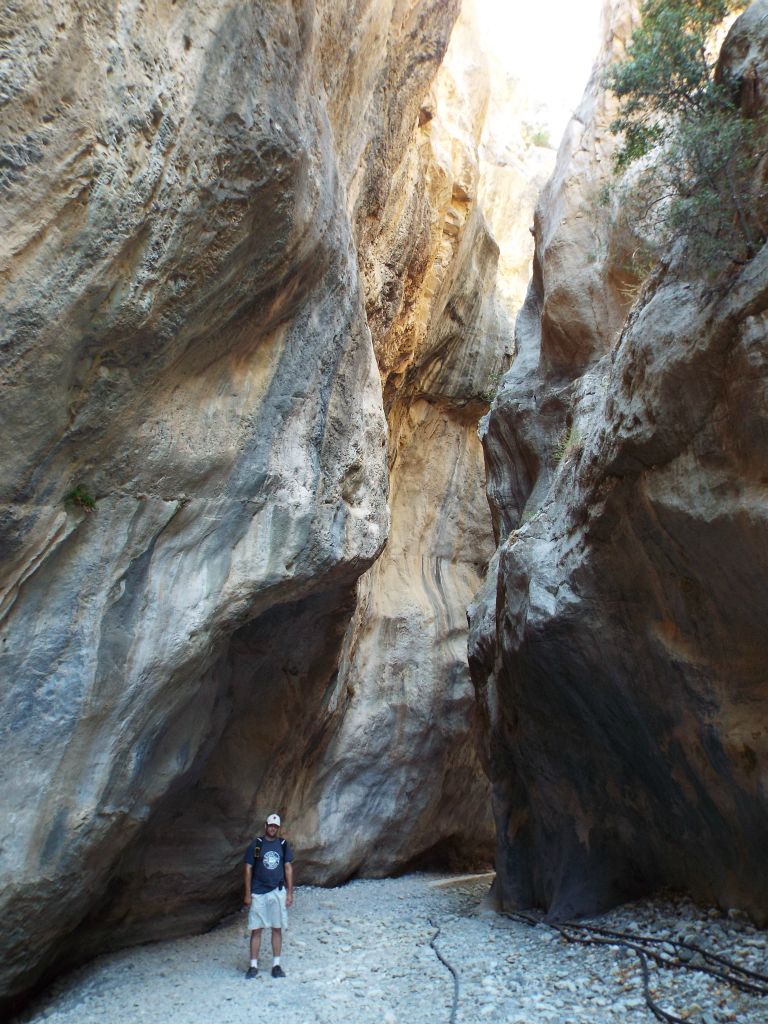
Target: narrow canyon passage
{"x":369,"y":457}
{"x":365,"y":954}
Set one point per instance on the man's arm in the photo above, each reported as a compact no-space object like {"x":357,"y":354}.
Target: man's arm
{"x":289,"y":884}
{"x":248,"y":872}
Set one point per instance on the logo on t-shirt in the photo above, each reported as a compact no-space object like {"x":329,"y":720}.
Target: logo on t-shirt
{"x":271,"y":860}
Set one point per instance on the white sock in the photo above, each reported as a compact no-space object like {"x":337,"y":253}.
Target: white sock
{"x":254,"y":963}
{"x":275,"y":961}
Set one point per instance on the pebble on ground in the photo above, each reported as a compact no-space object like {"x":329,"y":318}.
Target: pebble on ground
{"x":361,"y":953}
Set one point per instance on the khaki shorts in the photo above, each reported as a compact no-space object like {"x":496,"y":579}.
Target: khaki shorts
{"x":268,"y":910}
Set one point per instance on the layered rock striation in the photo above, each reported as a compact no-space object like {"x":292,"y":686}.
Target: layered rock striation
{"x":185,"y":345}
{"x":249,"y":314}
{"x":441,"y":332}
{"x":386,"y":775}
{"x":617,"y":645}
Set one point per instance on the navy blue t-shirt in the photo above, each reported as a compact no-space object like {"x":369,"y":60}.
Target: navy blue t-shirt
{"x":268,"y":872}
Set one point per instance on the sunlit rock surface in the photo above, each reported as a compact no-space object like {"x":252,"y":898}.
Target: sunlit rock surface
{"x":184,"y":342}
{"x":618,"y":644}
{"x":443,"y":335}
{"x":251,"y":300}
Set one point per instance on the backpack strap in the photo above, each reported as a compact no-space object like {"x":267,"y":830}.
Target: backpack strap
{"x":257,"y":845}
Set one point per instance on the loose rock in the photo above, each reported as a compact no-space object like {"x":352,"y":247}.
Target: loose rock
{"x":508,"y":971}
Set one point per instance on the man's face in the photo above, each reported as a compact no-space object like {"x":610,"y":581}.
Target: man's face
{"x":271,"y":831}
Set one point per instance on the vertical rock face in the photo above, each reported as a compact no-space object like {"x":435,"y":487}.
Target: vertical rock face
{"x":617,"y":646}
{"x":244,"y":262}
{"x":441,"y":314}
{"x":184,"y":343}
{"x":409,"y":710}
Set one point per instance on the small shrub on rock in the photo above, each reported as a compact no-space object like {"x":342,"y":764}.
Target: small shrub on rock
{"x":80,"y":498}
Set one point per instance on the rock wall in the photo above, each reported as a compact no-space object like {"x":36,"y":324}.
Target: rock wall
{"x":395,"y":730}
{"x":249,"y":307}
{"x":617,"y":645}
{"x":440,"y":334}
{"x":442,"y":330}
{"x":184,"y":342}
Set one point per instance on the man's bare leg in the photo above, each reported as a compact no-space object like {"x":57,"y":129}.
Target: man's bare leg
{"x":277,"y":945}
{"x":256,"y":943}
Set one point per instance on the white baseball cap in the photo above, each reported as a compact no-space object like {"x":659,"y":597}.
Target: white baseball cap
{"x":273,"y":819}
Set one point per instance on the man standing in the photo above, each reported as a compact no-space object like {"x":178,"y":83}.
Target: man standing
{"x":268,"y":892}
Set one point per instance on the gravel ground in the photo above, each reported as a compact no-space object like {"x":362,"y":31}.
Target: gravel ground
{"x":361,"y":953}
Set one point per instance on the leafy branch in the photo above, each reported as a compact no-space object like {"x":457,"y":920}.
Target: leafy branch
{"x":700,"y":156}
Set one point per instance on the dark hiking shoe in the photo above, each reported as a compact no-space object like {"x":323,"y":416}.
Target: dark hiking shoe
{"x":278,"y":972}
{"x":251,"y":972}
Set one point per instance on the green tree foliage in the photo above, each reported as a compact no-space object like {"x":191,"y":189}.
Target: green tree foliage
{"x":704,"y":174}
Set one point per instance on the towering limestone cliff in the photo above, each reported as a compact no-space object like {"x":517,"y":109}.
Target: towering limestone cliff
{"x":259,"y":264}
{"x":442,"y":331}
{"x":618,"y":645}
{"x":249,"y":315}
